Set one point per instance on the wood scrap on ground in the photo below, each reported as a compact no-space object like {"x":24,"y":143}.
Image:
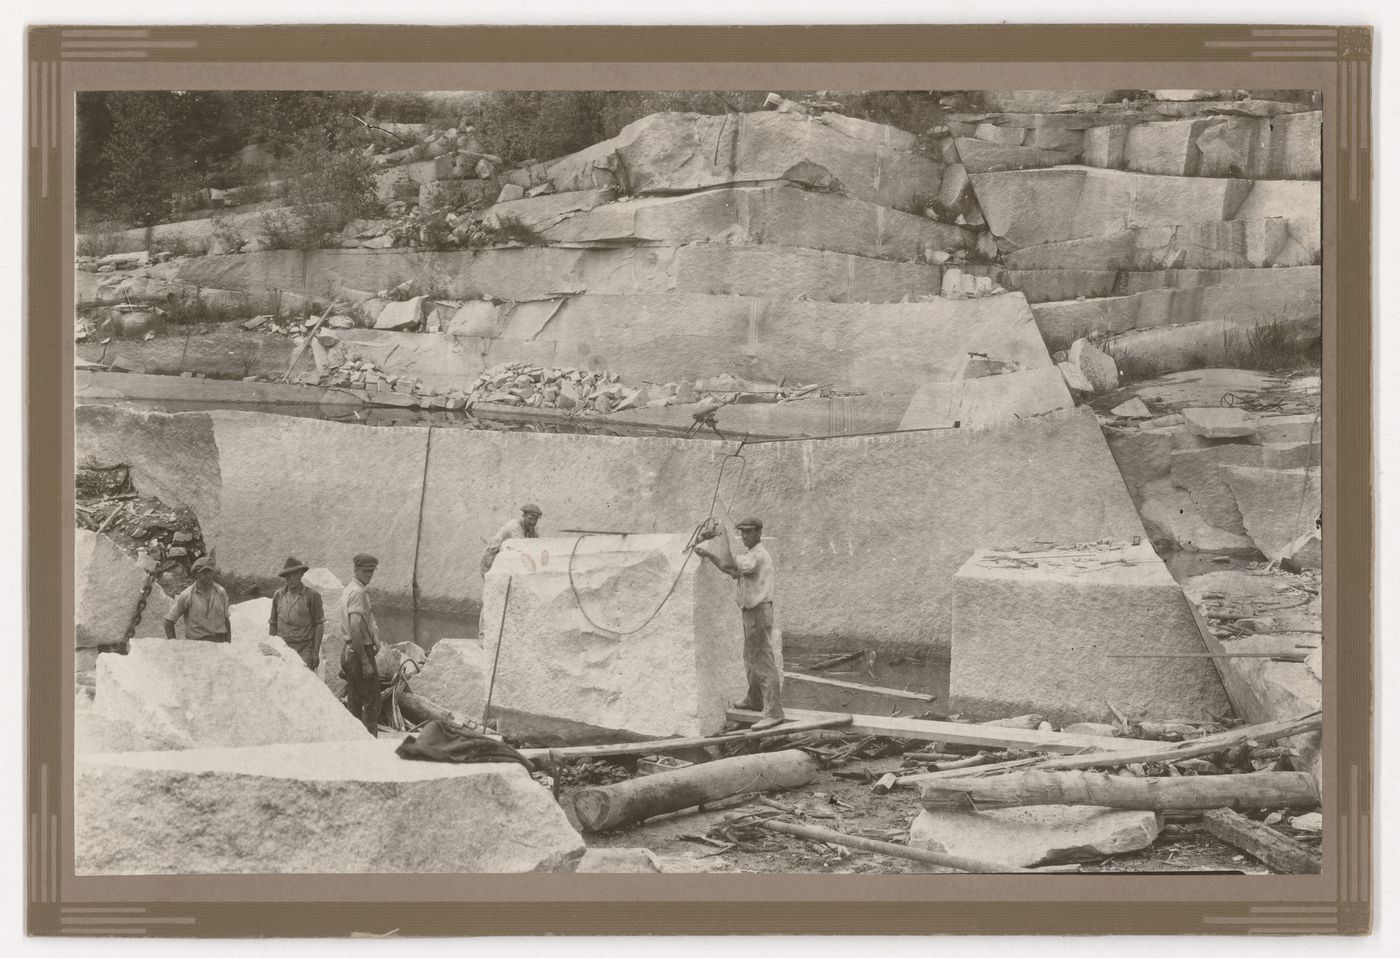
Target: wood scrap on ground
{"x":1253,"y":790}
{"x":1278,"y":851}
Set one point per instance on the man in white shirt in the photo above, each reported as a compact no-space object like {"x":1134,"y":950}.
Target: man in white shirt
{"x":754,"y":574}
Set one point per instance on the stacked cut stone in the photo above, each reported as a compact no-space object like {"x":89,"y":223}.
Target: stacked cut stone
{"x":1174,"y":230}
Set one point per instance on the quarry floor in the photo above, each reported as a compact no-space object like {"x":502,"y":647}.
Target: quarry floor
{"x":676,"y":838}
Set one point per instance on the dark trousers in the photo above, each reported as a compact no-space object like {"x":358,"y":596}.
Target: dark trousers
{"x":362,"y":694}
{"x":765,"y":682}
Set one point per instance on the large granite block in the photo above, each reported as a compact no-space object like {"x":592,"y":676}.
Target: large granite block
{"x":107,"y":585}
{"x":341,"y":807}
{"x":565,"y":652}
{"x":182,"y":695}
{"x":1043,"y":639}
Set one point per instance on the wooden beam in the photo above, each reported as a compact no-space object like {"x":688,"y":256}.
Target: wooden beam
{"x":856,"y":686}
{"x":1141,"y":751}
{"x":666,"y":745}
{"x":987,"y":736}
{"x":1278,"y":851}
{"x":1254,"y":790}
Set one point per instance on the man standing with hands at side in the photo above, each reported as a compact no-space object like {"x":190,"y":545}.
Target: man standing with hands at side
{"x":361,"y":646}
{"x":754,"y":574}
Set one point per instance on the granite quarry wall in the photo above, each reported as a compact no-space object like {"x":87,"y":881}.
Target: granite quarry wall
{"x":871,"y":529}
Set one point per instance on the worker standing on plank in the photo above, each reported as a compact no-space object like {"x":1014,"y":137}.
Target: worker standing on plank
{"x":754,"y":574}
{"x":204,"y":606}
{"x":298,"y":615}
{"x":361,"y":646}
{"x":522,"y":528}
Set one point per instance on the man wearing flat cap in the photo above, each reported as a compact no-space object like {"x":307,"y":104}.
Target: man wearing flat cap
{"x":754,"y":574}
{"x":361,"y":646}
{"x":204,"y":606}
{"x":298,"y":616}
{"x":522,"y":528}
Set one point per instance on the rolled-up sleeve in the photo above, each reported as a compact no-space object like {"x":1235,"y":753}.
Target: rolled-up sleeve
{"x":181,"y":606}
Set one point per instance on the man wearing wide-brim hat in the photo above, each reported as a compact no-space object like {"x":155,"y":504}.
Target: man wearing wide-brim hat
{"x":754,"y":574}
{"x":204,"y":607}
{"x":298,"y":616}
{"x":522,"y":528}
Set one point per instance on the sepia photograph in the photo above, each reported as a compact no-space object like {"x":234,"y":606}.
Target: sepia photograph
{"x":712,"y":481}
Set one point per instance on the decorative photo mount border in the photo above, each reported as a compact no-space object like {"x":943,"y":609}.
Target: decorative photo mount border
{"x":65,"y":60}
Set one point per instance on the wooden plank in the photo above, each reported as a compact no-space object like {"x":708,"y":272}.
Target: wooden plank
{"x":989,"y":736}
{"x":1145,"y":751}
{"x":856,"y":686}
{"x":666,"y":745}
{"x":1278,"y":851}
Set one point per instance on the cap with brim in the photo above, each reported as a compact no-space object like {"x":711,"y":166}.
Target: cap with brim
{"x":530,"y":509}
{"x":749,"y":522}
{"x":202,"y":563}
{"x":365,"y":561}
{"x":292,"y":566}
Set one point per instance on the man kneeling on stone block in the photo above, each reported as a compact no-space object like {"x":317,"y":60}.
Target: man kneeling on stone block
{"x":754,"y":573}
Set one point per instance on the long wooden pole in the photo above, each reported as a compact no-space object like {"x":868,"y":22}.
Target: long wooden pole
{"x":610,"y":806}
{"x":496,"y":660}
{"x":958,"y":733}
{"x":857,"y":687}
{"x":667,"y":745}
{"x":1255,"y":790}
{"x":1152,"y":752}
{"x":827,"y":835}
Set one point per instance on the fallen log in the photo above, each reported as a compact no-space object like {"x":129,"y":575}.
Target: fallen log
{"x":1253,"y":790}
{"x":610,"y":806}
{"x":1140,"y":751}
{"x":814,"y":834}
{"x":856,"y":686}
{"x":420,"y":710}
{"x":1278,"y":851}
{"x":958,"y":733}
{"x":838,"y":660}
{"x":667,"y":745}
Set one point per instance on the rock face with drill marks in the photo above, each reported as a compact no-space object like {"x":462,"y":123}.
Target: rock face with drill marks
{"x":337,"y":807}
{"x":838,"y":544}
{"x":107,"y":586}
{"x":564,"y":654}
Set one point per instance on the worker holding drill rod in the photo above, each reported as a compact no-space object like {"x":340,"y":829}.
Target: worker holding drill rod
{"x":753,"y":573}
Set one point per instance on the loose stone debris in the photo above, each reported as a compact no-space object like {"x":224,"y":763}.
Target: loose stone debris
{"x":964,"y":285}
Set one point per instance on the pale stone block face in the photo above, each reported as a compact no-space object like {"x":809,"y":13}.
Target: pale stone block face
{"x":342,"y":807}
{"x":1060,"y":622}
{"x":183,"y":695}
{"x":561,"y":658}
{"x":1039,"y":835}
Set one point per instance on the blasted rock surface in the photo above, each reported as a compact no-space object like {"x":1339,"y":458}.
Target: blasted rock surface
{"x":343,"y":807}
{"x":1278,"y":505}
{"x":184,"y":695}
{"x":986,"y":400}
{"x":107,"y":586}
{"x":562,"y":652}
{"x":678,"y":152}
{"x":1061,"y":624}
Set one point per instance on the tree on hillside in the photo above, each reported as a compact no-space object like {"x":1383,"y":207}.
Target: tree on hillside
{"x":140,"y":168}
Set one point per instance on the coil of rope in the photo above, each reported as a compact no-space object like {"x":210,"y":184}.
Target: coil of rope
{"x":695,"y":536}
